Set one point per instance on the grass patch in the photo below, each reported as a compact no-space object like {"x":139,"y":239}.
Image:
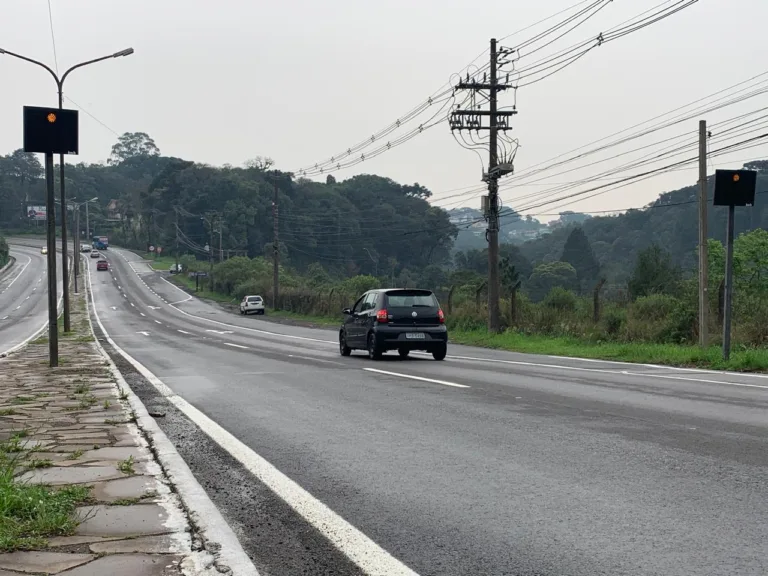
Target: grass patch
{"x":30,"y":514}
{"x":88,"y":401}
{"x":748,"y":360}
{"x":126,"y":502}
{"x":35,"y":463}
{"x":126,"y":466}
{"x":112,"y":421}
{"x":40,"y":340}
{"x":106,"y":404}
{"x":75,"y":455}
{"x":319,"y":320}
{"x":123,"y":395}
{"x":159,"y":262}
{"x":189,"y":284}
{"x":23,"y":400}
{"x":7,"y":412}
{"x":82,"y":388}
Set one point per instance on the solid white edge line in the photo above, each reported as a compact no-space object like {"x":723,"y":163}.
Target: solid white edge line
{"x":669,"y":377}
{"x":290,"y":336}
{"x":188,"y":296}
{"x":610,"y":371}
{"x":204,"y":513}
{"x":359,"y":548}
{"x":628,"y":365}
{"x":412,"y":377}
{"x":29,"y":261}
{"x":37,"y":333}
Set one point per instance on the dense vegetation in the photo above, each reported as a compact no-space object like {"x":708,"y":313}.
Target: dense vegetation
{"x":3,"y":252}
{"x":366,"y":224}
{"x":339,"y":238}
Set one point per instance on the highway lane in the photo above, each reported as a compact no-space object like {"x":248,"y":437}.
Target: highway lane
{"x":539,"y":466}
{"x":24,"y":296}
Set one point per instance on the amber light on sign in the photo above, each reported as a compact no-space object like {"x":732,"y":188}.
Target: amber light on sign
{"x":51,"y":117}
{"x":736,"y":177}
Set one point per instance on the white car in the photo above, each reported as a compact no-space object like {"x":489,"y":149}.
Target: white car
{"x":252,"y":304}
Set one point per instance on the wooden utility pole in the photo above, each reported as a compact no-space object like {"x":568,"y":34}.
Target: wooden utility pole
{"x":703,"y":258}
{"x":471,"y":118}
{"x":275,"y":255}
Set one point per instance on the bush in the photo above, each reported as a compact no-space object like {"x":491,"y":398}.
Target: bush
{"x":655,"y":307}
{"x":3,"y":252}
{"x":613,"y":320}
{"x":560,"y":299}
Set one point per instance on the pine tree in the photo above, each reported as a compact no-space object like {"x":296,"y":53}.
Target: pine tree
{"x":578,"y":253}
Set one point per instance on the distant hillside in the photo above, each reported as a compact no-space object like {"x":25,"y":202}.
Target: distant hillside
{"x":514,"y":228}
{"x":671,"y":222}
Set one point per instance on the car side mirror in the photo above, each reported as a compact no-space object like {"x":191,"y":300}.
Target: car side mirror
{"x":347,"y":311}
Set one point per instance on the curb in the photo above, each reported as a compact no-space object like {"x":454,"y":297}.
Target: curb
{"x":224,"y":554}
{"x":4,"y":269}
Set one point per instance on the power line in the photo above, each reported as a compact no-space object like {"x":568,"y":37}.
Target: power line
{"x":728,"y":99}
{"x":53,"y":38}
{"x":338,"y":161}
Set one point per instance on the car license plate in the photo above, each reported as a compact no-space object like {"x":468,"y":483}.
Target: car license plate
{"x":414,"y":335}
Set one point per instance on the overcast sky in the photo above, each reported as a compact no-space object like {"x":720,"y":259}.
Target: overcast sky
{"x":298,"y":81}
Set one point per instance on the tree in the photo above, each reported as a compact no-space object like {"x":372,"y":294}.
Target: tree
{"x":578,"y":253}
{"x":654,"y":273}
{"x":750,"y":255}
{"x":551,"y":275}
{"x":330,"y":180}
{"x":670,"y":221}
{"x":510,"y":284}
{"x":131,"y":145}
{"x":262,"y":163}
{"x":477,"y":260}
{"x":757,"y":165}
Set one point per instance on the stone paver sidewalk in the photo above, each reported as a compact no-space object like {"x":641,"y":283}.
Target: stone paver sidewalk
{"x":72,"y":426}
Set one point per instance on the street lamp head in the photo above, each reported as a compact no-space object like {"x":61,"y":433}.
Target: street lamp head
{"x":2,"y":51}
{"x":126,"y":52}
{"x":93,"y":199}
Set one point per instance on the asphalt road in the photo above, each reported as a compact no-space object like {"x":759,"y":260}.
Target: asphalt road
{"x":488,"y":463}
{"x":24,"y":296}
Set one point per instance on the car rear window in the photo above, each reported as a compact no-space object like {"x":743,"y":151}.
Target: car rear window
{"x":411,"y":299}
{"x":254,"y":299}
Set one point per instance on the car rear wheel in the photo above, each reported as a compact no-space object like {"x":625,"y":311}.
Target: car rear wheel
{"x":440,"y":353}
{"x":344,"y":350}
{"x":403,"y":352}
{"x":374,"y":352}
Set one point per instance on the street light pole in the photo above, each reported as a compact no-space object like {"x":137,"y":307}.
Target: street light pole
{"x":60,"y":87}
{"x":77,"y":236}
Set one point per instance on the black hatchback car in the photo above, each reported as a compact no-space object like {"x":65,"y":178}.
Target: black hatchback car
{"x":394,"y":319}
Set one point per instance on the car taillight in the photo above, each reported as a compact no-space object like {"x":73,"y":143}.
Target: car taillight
{"x":382,"y":316}
{"x":440,"y":316}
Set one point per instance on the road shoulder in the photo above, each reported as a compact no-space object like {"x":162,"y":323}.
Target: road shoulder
{"x":79,"y":430}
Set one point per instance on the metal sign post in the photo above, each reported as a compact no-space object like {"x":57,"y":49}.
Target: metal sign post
{"x":732,"y":188}
{"x":51,"y":131}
